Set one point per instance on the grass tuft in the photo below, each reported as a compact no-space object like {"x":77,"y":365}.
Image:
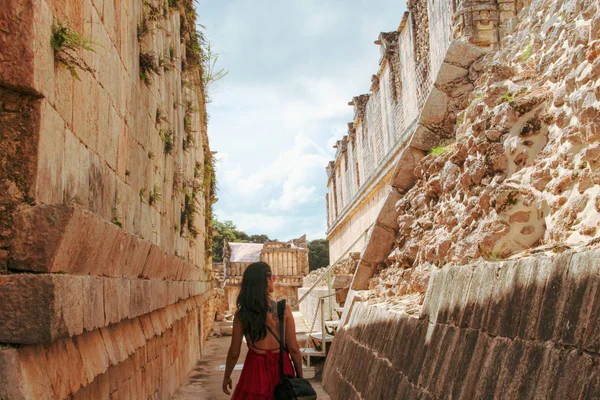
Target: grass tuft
{"x":67,"y":44}
{"x":148,"y":66}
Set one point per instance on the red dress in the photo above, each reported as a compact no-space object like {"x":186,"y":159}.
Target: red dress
{"x":260,"y":375}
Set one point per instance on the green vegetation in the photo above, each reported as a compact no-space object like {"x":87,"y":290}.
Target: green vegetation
{"x":188,"y":139}
{"x":318,"y":254}
{"x":439,"y":150}
{"x":228,"y":232}
{"x":148,"y":66}
{"x":143,"y":28}
{"x":142,"y":195}
{"x":160,"y":116}
{"x":155,"y":195}
{"x":494,"y":257}
{"x":508,"y":97}
{"x":168,"y":138}
{"x":67,"y":44}
{"x":527,"y":51}
{"x":151,"y":155}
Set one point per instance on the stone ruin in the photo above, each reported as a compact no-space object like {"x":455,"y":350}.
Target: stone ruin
{"x":288,"y":260}
{"x":106,"y":185}
{"x":481,"y":262}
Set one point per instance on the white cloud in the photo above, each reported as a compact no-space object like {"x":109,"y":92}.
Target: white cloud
{"x":293,"y":67}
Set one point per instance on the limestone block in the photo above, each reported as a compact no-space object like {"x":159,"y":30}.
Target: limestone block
{"x":577,"y":307}
{"x":77,"y":165}
{"x":501,"y":292}
{"x":463,"y":54}
{"x":65,"y":367}
{"x":488,"y":378}
{"x":98,"y":389}
{"x":51,"y":152}
{"x":93,"y":303}
{"x":22,"y":376}
{"x":68,"y":238}
{"x":424,"y":139}
{"x":553,"y":294}
{"x":140,"y":297}
{"x":403,"y":177}
{"x":484,"y":296}
{"x":475,"y":366}
{"x":40,"y":308}
{"x":18,"y":61}
{"x":109,"y":128}
{"x":435,"y":109}
{"x":514,"y":291}
{"x":86,"y":94}
{"x":449,"y":73}
{"x":461,"y":287}
{"x":116,"y":299}
{"x":93,"y":353}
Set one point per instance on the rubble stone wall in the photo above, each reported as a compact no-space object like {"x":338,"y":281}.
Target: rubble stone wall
{"x":522,"y":328}
{"x":105,"y":185}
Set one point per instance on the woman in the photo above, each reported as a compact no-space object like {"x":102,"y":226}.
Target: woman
{"x":256,"y":319}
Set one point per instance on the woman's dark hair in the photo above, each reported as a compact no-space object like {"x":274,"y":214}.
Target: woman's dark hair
{"x":252,"y":302}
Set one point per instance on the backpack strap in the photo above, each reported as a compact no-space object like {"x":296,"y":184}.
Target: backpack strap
{"x":281,"y":313}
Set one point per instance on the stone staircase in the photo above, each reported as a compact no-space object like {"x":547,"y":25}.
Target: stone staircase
{"x":317,"y":343}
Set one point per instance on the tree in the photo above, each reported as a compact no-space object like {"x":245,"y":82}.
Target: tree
{"x":318,"y":254}
{"x":228,"y":232}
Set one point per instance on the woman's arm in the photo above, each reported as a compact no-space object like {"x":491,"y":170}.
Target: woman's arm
{"x":233,"y":354}
{"x":292,"y":342}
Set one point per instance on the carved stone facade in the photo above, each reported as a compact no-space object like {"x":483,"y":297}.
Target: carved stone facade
{"x":288,"y":261}
{"x":411,"y":58}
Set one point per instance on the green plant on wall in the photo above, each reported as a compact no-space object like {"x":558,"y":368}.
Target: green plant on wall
{"x":67,"y":44}
{"x":155,"y":195}
{"x":168,"y":138}
{"x":148,"y":66}
{"x":439,"y":150}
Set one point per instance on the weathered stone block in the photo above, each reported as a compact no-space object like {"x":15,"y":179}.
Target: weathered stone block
{"x":93,"y":353}
{"x":435,"y":108}
{"x":473,"y":371}
{"x":51,"y":152}
{"x":488,"y":379}
{"x":93,"y":303}
{"x":449,"y":73}
{"x":116,"y":299}
{"x":514,"y":289}
{"x":424,"y":139}
{"x":552,"y":297}
{"x":53,"y":303}
{"x":463,"y":54}
{"x":65,"y":367}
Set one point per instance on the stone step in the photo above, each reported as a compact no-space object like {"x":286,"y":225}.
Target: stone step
{"x":319,"y":336}
{"x":311,"y":352}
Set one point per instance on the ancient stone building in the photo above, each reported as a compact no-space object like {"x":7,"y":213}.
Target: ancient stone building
{"x":478,"y":272}
{"x":106,"y":185}
{"x":394,"y":125}
{"x":289,"y":263}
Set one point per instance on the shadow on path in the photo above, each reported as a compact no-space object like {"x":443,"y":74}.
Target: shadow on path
{"x":204,"y":382}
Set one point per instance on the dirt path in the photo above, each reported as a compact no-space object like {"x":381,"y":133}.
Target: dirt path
{"x":204,"y":382}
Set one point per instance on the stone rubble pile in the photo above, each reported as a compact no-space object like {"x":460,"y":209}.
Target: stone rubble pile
{"x":524,"y":170}
{"x":345,"y":266}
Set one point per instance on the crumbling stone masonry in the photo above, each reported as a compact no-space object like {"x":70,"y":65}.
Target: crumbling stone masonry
{"x":105,"y":190}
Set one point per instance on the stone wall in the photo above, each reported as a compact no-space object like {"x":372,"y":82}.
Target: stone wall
{"x":106,"y":180}
{"x":385,"y":118}
{"x":521,"y":328}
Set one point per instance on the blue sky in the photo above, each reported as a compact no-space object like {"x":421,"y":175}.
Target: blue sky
{"x":293,"y":67}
